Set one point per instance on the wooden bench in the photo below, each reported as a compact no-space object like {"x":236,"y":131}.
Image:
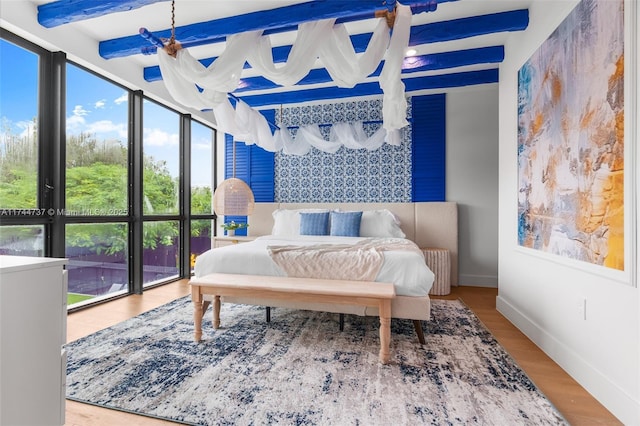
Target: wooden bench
{"x":360,"y":293}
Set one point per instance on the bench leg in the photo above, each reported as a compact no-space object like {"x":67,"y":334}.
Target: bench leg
{"x":385,"y":330}
{"x":216,"y":312}
{"x":341,"y":322}
{"x":268,"y":313}
{"x":205,"y":306}
{"x":196,"y":297}
{"x":418,"y":326}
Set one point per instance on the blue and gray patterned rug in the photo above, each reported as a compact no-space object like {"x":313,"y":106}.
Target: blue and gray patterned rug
{"x":300,"y":369}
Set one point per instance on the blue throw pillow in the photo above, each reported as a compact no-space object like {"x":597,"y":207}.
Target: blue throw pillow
{"x":345,"y":224}
{"x":314,"y":223}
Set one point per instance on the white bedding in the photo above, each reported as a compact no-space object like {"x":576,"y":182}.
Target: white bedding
{"x":407,"y":270}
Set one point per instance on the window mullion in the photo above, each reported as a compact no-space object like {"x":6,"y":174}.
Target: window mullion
{"x":135,"y":192}
{"x":185,"y":196}
{"x":52,"y":140}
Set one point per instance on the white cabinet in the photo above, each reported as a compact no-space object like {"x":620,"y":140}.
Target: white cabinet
{"x":33,"y":330}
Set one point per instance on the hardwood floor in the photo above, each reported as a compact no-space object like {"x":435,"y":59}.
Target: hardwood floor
{"x":572,"y":400}
{"x":575,"y":403}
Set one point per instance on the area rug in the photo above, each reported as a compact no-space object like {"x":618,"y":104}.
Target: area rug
{"x":301,"y":369}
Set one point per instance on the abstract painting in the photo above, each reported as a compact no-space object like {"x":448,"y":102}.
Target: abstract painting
{"x":571,"y":139}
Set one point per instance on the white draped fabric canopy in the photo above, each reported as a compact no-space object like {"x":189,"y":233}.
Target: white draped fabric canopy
{"x":323,"y":40}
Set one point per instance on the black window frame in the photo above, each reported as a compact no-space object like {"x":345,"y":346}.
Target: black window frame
{"x":52,"y":170}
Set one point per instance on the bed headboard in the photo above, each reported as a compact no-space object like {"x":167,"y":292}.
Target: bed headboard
{"x":428,"y":224}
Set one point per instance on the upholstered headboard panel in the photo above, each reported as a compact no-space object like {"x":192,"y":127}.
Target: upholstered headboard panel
{"x":428,"y":224}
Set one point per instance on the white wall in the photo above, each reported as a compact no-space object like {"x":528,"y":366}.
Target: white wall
{"x":541,"y":294}
{"x":472,"y":180}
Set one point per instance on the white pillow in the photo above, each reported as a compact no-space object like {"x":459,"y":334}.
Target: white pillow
{"x":380,"y":223}
{"x":287,"y":222}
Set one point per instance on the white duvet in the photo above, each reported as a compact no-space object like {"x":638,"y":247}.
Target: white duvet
{"x":406,"y":269}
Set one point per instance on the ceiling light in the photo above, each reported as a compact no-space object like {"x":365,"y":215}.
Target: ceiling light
{"x":411,"y":52}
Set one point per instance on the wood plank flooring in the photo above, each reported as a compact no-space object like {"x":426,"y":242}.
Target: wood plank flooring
{"x":575,"y":403}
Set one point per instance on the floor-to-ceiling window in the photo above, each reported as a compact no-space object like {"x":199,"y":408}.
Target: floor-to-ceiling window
{"x":96,"y":186}
{"x":21,"y":209}
{"x":202,"y":187}
{"x":95,"y":172}
{"x":160,"y":188}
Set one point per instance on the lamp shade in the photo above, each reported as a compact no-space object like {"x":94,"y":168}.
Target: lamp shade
{"x":233,"y":197}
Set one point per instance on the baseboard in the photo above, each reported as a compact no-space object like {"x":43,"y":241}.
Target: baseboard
{"x":478,"y":280}
{"x":616,"y":400}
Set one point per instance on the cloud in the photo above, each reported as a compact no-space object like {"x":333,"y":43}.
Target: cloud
{"x":157,"y":137}
{"x":107,"y":126}
{"x":202,"y":146}
{"x":75,"y":123}
{"x":202,"y":143}
{"x":102,"y":129}
{"x":122,"y":99}
{"x":79,"y":111}
{"x":25,"y":127}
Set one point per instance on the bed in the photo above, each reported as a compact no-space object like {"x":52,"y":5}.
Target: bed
{"x":409,"y":226}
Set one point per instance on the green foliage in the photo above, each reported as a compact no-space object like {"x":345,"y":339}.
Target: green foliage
{"x":18,"y":232}
{"x":160,"y":233}
{"x":201,"y":200}
{"x":18,"y":188}
{"x":97,"y":189}
{"x":96,"y":185}
{"x":201,"y":228}
{"x":201,"y":203}
{"x":18,"y":169}
{"x":84,"y":150}
{"x":101,"y":238}
{"x":160,"y":189}
{"x":233,"y":225}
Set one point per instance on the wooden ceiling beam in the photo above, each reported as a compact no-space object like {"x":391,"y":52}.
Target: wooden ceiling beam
{"x":461,"y":79}
{"x":415,"y":64}
{"x":272,"y":21}
{"x":455,"y":29}
{"x":63,"y":12}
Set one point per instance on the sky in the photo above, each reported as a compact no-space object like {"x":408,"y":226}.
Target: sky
{"x":99,"y":107}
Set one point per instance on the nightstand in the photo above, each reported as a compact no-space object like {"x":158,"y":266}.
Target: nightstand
{"x":227,"y":240}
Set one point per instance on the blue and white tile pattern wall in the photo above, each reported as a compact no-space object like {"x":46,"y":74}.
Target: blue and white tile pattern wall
{"x":383,"y":175}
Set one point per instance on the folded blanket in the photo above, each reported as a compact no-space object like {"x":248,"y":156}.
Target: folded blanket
{"x":357,"y":262}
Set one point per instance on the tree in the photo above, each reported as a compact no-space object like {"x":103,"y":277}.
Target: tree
{"x":160,"y":188}
{"x":96,"y":185}
{"x":18,"y":167}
